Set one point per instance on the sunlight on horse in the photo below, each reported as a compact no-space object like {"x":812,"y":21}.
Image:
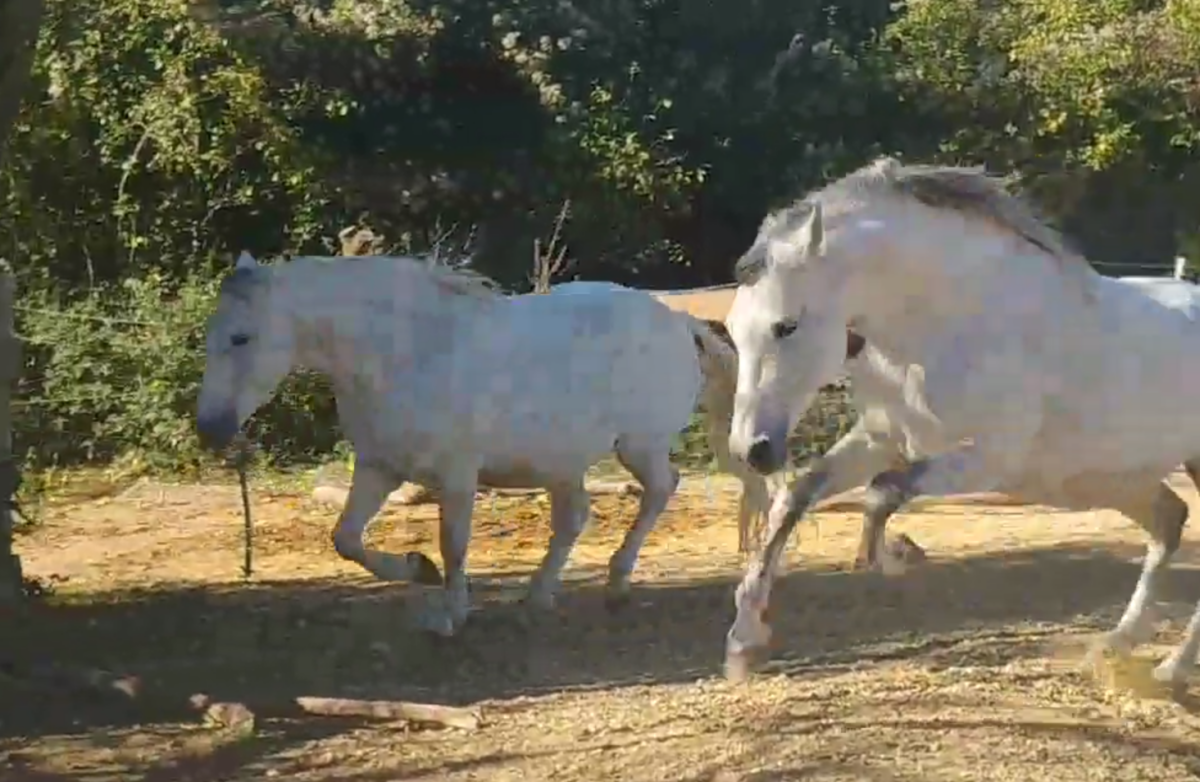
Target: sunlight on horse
{"x":442,"y":380}
{"x":993,"y":350}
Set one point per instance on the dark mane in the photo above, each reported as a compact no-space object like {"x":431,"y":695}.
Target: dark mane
{"x":241,"y":283}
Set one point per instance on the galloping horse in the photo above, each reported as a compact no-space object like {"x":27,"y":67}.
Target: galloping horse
{"x":442,"y":380}
{"x":1010,"y":362}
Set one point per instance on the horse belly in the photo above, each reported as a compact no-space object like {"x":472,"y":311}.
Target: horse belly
{"x":615,"y":361}
{"x":519,"y":474}
{"x":566,"y":376}
{"x":545,"y":437}
{"x":1128,"y":402}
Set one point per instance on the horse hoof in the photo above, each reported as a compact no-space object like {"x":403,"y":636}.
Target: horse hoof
{"x":536,"y":601}
{"x":1113,"y":644}
{"x":1173,"y":680}
{"x":739,"y":665}
{"x":440,"y":628}
{"x":862,"y":565}
{"x":425,"y":572}
{"x":617,"y":601}
{"x":1104,"y":655}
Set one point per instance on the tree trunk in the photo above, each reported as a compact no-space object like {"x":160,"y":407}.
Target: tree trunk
{"x":12,"y":582}
{"x":20,"y":22}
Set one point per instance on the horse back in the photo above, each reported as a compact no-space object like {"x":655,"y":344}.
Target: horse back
{"x":622,"y":341}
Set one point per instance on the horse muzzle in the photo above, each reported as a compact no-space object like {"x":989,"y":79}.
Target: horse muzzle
{"x":217,"y":430}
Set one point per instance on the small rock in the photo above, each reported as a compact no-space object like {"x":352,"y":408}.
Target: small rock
{"x":233,"y":716}
{"x":414,"y":494}
{"x":330,"y":495}
{"x":129,"y":686}
{"x":630,"y":489}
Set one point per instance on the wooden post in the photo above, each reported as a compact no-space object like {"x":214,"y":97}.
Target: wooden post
{"x":11,"y":580}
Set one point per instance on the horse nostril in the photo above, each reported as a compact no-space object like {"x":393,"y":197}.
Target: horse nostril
{"x":217,"y":431}
{"x":759,"y":455}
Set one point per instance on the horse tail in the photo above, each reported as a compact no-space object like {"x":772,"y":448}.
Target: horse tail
{"x":718,"y":362}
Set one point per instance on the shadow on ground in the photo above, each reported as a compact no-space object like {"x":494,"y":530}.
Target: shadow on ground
{"x":350,"y":638}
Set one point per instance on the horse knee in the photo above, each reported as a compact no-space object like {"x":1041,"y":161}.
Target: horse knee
{"x":1170,"y":517}
{"x":675,"y":478}
{"x":348,"y":546}
{"x":658,"y":487}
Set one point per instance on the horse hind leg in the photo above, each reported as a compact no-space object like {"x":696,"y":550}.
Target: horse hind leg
{"x":1162,"y":514}
{"x":650,"y":464}
{"x":569,"y":508}
{"x":1176,"y":669}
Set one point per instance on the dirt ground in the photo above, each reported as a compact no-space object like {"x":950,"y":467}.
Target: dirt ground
{"x":964,"y":668}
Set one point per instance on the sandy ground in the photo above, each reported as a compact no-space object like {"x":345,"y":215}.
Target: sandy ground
{"x":965,"y":668}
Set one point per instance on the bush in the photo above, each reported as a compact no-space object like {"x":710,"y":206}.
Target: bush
{"x":118,"y":372}
{"x":830,"y":417}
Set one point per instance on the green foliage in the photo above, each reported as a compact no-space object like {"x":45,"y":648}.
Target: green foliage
{"x":1091,"y":81}
{"x":1093,"y":102}
{"x":148,"y":142}
{"x":830,"y":417}
{"x":118,"y":373}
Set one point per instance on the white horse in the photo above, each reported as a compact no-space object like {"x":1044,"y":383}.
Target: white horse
{"x":441,"y":379}
{"x":1020,"y":369}
{"x":716,"y":397}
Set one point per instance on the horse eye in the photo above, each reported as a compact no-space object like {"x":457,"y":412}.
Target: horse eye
{"x":783,"y":328}
{"x":237,"y":340}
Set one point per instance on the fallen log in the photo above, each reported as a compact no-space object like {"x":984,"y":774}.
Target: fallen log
{"x":239,"y":715}
{"x":117,"y":689}
{"x":450,"y":716}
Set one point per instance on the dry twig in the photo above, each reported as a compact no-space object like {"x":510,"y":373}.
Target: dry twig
{"x":550,"y":261}
{"x":359,"y":241}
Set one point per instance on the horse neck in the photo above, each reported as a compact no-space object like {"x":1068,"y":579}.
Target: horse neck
{"x":913,"y":282}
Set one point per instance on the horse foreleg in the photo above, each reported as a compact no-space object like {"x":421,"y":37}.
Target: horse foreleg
{"x":982,"y":466}
{"x":369,"y":489}
{"x":653,"y":470}
{"x":448,"y":612}
{"x":850,"y":462}
{"x":569,"y":507}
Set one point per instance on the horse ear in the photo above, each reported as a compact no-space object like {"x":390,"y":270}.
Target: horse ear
{"x":815,"y":229}
{"x":245,"y":261}
{"x":805,"y":240}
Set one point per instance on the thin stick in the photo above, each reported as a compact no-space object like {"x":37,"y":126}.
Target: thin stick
{"x":240,"y":459}
{"x":550,"y":261}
